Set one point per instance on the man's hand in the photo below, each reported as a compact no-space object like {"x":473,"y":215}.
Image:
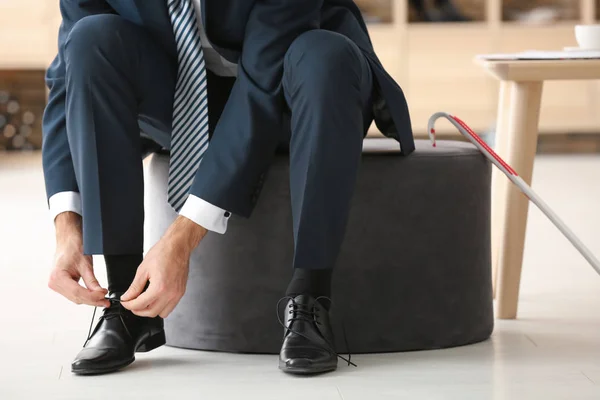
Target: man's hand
{"x":166,"y":266}
{"x":71,"y":265}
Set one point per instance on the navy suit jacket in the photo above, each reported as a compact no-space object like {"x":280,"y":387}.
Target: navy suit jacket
{"x":236,"y":161}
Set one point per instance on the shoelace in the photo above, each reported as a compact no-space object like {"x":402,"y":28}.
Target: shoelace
{"x":114,"y":311}
{"x":304,"y":313}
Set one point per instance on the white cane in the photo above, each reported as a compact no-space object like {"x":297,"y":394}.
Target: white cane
{"x":516,"y":179}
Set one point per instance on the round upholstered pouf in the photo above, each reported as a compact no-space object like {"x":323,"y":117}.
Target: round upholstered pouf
{"x":414,"y":271}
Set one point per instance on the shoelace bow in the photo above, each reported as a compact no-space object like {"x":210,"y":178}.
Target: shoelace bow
{"x":302,"y":312}
{"x":114,"y":311}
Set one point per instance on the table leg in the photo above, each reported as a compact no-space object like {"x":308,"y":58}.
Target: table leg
{"x":499,"y":181}
{"x":522,"y":132}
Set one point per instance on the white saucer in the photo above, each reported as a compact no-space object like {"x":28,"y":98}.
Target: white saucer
{"x":580,"y":49}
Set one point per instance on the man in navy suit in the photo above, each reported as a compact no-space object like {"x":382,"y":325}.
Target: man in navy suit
{"x":139,"y":76}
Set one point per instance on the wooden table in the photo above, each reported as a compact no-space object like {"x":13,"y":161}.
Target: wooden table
{"x":516,"y":142}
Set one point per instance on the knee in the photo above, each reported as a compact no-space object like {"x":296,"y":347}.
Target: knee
{"x":323,"y":56}
{"x":92,"y":37}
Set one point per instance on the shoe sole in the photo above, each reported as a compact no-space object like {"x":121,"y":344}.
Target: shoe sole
{"x":306,"y":371}
{"x":147,"y":345}
{"x":152,"y":343}
{"x":100,"y":371}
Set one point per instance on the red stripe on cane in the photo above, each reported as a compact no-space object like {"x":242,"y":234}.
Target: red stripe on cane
{"x":433,"y":133}
{"x":485,"y":146}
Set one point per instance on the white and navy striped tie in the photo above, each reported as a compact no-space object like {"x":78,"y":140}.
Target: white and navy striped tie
{"x":189,"y":138}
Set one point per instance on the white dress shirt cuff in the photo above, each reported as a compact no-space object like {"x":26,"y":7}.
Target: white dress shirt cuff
{"x":205,"y":214}
{"x":64,"y":201}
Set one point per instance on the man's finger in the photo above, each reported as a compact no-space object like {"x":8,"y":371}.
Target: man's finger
{"x":87,"y":274}
{"x":69,"y":288}
{"x":102,"y":303}
{"x":152,"y":310}
{"x":168,"y":309}
{"x":80,"y":295}
{"x":137,"y":286}
{"x":142,"y":301}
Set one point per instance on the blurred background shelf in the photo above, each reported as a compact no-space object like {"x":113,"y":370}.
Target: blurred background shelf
{"x":29,"y":30}
{"x":432,"y":61}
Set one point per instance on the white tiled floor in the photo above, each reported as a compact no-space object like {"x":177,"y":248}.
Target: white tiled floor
{"x":551,"y":352}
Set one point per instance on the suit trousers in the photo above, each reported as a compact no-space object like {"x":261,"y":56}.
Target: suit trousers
{"x":120,"y":82}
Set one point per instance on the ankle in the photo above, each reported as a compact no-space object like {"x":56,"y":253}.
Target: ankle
{"x":314,"y":282}
{"x":121,"y":270}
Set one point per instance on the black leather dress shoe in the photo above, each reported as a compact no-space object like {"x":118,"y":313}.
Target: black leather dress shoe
{"x":116,"y":338}
{"x":308,"y":340}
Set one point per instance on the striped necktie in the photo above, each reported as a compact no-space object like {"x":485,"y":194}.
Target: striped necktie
{"x":189,"y":138}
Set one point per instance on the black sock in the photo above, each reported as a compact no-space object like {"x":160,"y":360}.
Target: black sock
{"x":315,"y":282}
{"x":121,"y":270}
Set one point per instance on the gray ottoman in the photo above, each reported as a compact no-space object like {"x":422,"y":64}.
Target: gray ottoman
{"x":414,"y":271}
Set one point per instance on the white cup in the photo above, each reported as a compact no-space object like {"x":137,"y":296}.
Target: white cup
{"x":588,"y":36}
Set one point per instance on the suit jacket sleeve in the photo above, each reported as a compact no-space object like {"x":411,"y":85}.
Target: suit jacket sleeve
{"x":245,"y":139}
{"x":59,"y":173}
